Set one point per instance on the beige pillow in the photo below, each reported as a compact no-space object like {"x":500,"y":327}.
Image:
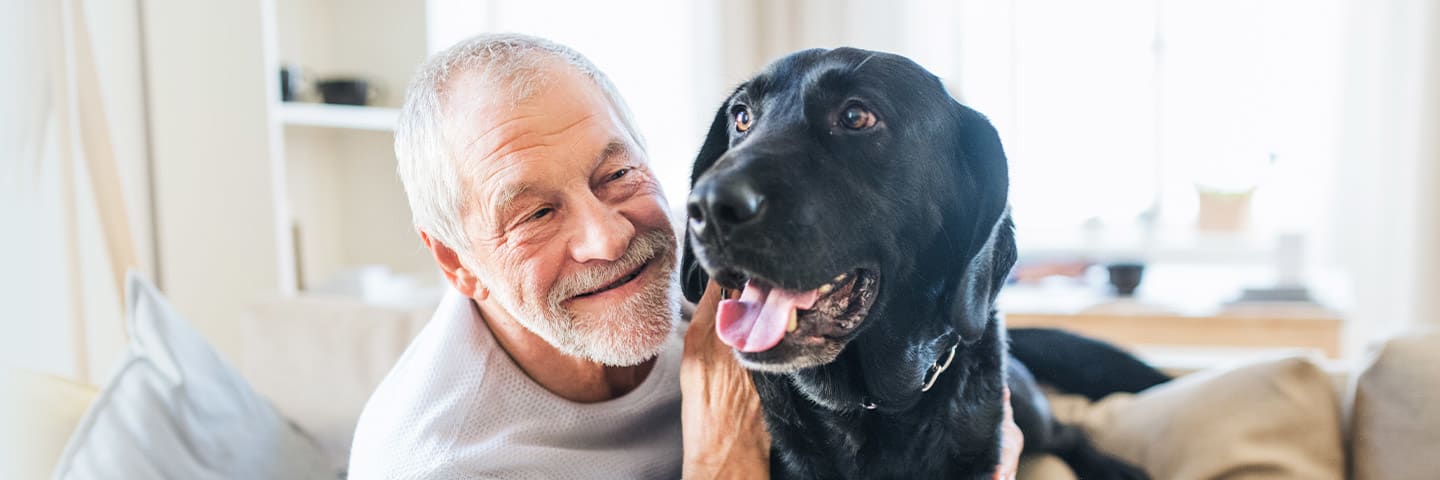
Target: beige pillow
{"x":1396,"y":418}
{"x":1272,"y":419}
{"x":37,"y":415}
{"x":317,"y":359}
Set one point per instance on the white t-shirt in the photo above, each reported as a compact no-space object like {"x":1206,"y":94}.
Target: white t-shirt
{"x":456,"y":406}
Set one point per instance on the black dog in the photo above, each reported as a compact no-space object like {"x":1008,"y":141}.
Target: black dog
{"x":863,"y":214}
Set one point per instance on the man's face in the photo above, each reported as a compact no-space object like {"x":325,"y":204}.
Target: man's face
{"x":567,"y":222}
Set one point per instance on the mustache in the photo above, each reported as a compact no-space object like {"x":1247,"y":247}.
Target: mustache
{"x":643,"y":248}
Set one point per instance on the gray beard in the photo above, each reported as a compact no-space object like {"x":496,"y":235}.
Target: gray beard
{"x":625,"y":334}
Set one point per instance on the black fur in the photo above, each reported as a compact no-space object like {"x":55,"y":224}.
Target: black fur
{"x":921,"y":200}
{"x":1081,"y":365}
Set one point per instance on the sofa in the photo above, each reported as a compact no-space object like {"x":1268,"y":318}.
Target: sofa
{"x":315,"y":361}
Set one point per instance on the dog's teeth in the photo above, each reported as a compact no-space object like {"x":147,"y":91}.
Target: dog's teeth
{"x":826,"y":288}
{"x":839,"y":278}
{"x":794,"y":322}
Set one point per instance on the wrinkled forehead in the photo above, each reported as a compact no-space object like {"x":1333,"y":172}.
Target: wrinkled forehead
{"x":499,"y":81}
{"x":484,"y":118}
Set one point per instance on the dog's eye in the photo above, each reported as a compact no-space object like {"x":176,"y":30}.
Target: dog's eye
{"x":856,"y":117}
{"x":743,"y":119}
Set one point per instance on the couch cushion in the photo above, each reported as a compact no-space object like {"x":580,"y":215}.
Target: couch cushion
{"x":39,"y":413}
{"x":1395,"y":429}
{"x":1272,"y":419}
{"x":319,"y":358}
{"x":174,"y":409}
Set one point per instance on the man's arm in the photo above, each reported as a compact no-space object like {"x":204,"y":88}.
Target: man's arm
{"x":1011,"y":443}
{"x":724,"y":434}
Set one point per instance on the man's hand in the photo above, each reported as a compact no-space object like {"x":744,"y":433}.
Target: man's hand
{"x":724,"y":434}
{"x":1011,"y":443}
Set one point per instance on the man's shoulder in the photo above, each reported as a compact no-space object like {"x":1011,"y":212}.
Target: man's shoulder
{"x":412,"y":415}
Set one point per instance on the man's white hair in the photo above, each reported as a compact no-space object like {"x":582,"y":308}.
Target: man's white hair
{"x":513,"y":66}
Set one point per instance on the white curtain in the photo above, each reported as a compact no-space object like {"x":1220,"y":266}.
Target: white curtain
{"x":1387,"y":204}
{"x":752,"y":33}
{"x":68,"y":240}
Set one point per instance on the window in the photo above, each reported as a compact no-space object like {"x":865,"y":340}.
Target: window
{"x":1116,"y":112}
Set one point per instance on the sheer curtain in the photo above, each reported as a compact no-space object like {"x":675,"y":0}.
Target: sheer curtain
{"x":69,"y":240}
{"x":1386,"y":209}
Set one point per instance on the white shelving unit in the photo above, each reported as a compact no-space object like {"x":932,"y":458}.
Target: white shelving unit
{"x":340,"y":209}
{"x":338,"y":116}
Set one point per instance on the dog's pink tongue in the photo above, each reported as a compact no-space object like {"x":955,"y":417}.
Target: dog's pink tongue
{"x":756,"y":322}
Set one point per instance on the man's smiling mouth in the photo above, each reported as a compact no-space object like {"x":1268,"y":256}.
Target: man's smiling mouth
{"x":620,"y":282}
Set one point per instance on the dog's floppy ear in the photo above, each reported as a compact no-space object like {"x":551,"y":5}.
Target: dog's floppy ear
{"x":981,"y":280}
{"x":988,"y":244}
{"x":693,"y":278}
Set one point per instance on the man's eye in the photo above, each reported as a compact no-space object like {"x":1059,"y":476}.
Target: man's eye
{"x":541,"y":213}
{"x":618,"y":174}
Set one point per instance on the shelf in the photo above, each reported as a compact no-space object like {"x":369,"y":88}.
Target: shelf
{"x":338,"y":116}
{"x":1171,"y":245}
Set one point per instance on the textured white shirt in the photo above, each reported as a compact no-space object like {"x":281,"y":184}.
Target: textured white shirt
{"x":456,"y":406}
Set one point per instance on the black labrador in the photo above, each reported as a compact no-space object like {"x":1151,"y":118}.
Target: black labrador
{"x":861,"y":212}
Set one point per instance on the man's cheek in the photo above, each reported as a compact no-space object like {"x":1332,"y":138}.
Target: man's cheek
{"x":649,"y":214}
{"x":516,"y":266}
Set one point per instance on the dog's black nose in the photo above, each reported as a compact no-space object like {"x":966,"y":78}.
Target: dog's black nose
{"x":722,"y":203}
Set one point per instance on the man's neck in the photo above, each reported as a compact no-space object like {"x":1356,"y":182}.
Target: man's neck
{"x":572,"y":378}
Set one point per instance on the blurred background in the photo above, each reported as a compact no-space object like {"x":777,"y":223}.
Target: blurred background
{"x":1190,"y":179}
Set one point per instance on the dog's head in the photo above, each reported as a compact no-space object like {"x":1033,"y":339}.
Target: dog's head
{"x":834,"y":189}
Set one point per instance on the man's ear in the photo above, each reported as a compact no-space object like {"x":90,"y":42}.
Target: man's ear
{"x":988,"y":246}
{"x":464,"y":280}
{"x":974,"y":300}
{"x":693,"y":278}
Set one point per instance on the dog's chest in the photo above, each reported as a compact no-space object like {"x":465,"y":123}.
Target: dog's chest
{"x":816,"y":443}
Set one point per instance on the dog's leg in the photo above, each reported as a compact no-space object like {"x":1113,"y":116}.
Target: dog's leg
{"x":1081,"y":365}
{"x":1074,"y":447}
{"x":1045,"y":434}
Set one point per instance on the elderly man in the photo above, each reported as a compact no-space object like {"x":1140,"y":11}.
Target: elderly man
{"x":558,"y":352}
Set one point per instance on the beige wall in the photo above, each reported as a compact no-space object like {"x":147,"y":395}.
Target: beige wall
{"x":218,"y":237}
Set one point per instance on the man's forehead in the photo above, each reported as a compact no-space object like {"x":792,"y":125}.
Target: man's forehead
{"x":482,"y":116}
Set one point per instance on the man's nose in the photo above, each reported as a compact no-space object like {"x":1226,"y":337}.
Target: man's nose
{"x":720,"y":203}
{"x":604,"y":235}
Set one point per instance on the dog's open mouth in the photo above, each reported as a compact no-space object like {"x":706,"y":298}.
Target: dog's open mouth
{"x":764,"y":314}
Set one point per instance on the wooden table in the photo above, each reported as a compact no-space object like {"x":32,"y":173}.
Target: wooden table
{"x":1268,"y":326}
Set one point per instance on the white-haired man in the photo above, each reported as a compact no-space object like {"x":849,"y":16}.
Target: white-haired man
{"x":558,"y":351}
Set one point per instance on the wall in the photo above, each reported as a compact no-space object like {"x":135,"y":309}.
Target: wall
{"x":212,"y":160}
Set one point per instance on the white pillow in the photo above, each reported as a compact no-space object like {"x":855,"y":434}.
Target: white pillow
{"x":174,"y":409}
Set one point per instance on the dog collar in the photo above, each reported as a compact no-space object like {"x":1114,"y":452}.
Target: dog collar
{"x":931,"y":376}
{"x":938,"y":368}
